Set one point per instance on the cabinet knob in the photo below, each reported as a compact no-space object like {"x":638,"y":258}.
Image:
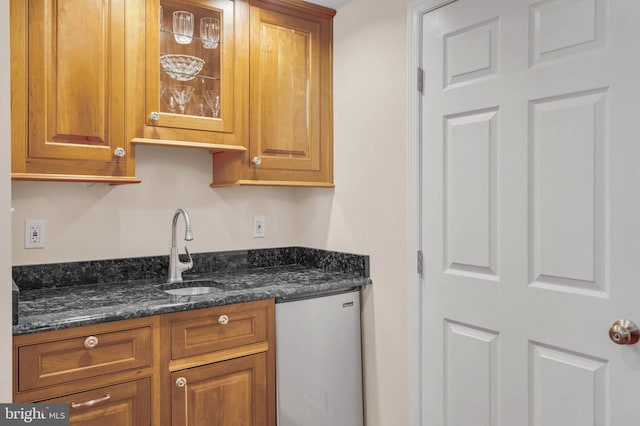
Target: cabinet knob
{"x":256,"y":160}
{"x":119,"y":152}
{"x":154,"y":116}
{"x":91,"y":342}
{"x":223,"y":320}
{"x":181,"y":382}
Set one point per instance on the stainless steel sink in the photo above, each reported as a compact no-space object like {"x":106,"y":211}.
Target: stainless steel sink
{"x":191,"y":287}
{"x":192,"y":291}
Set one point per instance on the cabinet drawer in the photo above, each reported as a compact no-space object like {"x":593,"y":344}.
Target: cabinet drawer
{"x":55,"y":362}
{"x":210,"y":330}
{"x":124,"y":404}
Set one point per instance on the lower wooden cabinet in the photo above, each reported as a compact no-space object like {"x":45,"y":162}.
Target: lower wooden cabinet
{"x":212,"y":366}
{"x":224,"y":393}
{"x":221,"y":366}
{"x":124,"y":404}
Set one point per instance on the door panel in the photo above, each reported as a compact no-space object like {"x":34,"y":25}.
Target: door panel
{"x":568,"y":185}
{"x":529,"y":214}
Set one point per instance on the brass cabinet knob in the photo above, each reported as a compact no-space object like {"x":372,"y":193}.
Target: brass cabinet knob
{"x":624,"y":332}
{"x":91,"y":342}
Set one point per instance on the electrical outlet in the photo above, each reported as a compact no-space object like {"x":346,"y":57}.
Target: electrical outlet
{"x":34,"y":233}
{"x":258,"y":227}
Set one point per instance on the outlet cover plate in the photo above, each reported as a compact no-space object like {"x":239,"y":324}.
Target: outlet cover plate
{"x":258,"y":226}
{"x":33,"y":233}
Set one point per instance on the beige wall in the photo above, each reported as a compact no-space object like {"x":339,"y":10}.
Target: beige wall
{"x":99,"y":221}
{"x":5,"y":209}
{"x":368,"y":210}
{"x":365,"y":213}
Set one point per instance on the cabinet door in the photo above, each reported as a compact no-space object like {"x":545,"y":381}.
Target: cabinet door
{"x":73,"y":63}
{"x":228,"y":393}
{"x":125,"y":404}
{"x":291,"y":128}
{"x":191,"y":80}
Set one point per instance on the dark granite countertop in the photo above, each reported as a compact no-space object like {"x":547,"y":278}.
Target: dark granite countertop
{"x":59,"y":296}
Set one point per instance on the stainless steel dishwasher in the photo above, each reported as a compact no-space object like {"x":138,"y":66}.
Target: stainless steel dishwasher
{"x":318,"y":361}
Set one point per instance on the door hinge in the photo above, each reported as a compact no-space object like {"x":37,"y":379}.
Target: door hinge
{"x":420,"y":80}
{"x":419,"y":259}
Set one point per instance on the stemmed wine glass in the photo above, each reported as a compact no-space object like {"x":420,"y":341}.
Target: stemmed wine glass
{"x":182,"y":95}
{"x":213,"y":101}
{"x":166,"y":94}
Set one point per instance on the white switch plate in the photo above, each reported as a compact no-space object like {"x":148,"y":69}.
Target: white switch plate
{"x":33,"y":233}
{"x":258,"y":226}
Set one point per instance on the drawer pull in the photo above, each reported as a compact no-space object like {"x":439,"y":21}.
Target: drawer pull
{"x":91,"y":342}
{"x":92,"y":402}
{"x":181,"y":382}
{"x":223,"y":320}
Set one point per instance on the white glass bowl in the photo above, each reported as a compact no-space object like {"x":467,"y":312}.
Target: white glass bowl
{"x":181,"y":67}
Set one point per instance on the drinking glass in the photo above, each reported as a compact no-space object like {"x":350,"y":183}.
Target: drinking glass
{"x":166,"y":94}
{"x":183,"y":26}
{"x":198,"y":106}
{"x":212,"y":99}
{"x":182,"y":94}
{"x":210,"y":32}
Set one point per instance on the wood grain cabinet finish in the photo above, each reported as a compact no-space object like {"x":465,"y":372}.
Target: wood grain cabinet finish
{"x":225,"y":71}
{"x":213,"y":366}
{"x":221,"y":365}
{"x":228,"y":393}
{"x":123,"y":404}
{"x":216,"y":329}
{"x":73,"y":67}
{"x":87,"y":86}
{"x":291,"y":97}
{"x":59,"y":361}
{"x":108,"y":373}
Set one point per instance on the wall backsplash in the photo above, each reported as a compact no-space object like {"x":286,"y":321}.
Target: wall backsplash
{"x":66,"y":274}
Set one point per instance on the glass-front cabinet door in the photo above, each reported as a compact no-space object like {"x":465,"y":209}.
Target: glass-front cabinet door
{"x":190,"y":70}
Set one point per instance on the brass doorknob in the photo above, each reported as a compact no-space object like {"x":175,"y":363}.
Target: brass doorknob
{"x":624,"y":332}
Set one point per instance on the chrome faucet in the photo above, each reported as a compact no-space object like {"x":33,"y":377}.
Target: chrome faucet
{"x":176,"y":268}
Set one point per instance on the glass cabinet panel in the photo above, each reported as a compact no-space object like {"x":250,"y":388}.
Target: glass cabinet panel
{"x":189,"y":59}
{"x":190,"y":67}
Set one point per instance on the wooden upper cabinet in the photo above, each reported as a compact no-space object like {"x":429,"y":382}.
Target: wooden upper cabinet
{"x":196,"y":86}
{"x":73,"y":63}
{"x":291,"y":122}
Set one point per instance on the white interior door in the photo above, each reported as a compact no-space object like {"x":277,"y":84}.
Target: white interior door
{"x":531,"y":212}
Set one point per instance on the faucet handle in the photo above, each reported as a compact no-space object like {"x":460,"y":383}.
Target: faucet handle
{"x":189,"y":264}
